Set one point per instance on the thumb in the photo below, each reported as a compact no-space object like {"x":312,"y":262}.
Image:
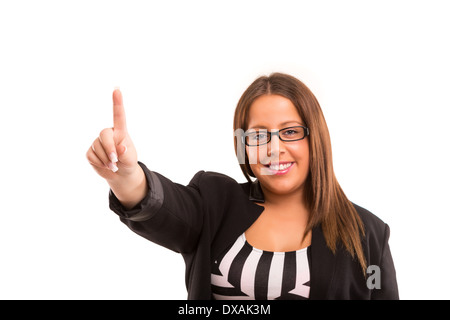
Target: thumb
{"x":121,"y":149}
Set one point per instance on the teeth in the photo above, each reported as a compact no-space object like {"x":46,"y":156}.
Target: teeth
{"x":280,"y":166}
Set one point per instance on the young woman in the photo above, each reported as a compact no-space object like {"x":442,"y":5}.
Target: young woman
{"x":291,"y":233}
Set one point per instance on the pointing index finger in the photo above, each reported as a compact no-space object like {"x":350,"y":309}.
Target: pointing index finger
{"x":119,"y":111}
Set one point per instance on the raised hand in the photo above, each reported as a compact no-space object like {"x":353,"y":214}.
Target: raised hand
{"x":112,"y":154}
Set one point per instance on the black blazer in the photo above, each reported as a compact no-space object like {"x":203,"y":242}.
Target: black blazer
{"x":202,"y":219}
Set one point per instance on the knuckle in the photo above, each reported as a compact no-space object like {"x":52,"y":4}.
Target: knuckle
{"x":96,"y":145}
{"x":106,"y":133}
{"x":90,"y":156}
{"x":98,"y":150}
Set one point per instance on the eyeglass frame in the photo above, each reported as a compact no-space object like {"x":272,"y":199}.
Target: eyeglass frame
{"x":277,"y":133}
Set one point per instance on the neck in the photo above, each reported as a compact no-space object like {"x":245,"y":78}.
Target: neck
{"x":288,"y":208}
{"x":294,"y":199}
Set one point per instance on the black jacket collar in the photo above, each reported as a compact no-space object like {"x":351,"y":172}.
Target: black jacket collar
{"x":256,"y":194}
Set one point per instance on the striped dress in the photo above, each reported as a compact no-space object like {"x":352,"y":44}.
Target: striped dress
{"x":246,"y":273}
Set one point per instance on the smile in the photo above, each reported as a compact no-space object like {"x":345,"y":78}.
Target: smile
{"x":279,"y":168}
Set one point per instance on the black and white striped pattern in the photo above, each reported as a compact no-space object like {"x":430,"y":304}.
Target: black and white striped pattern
{"x":248,"y":273}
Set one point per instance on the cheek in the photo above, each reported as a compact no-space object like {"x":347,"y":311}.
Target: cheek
{"x":299,"y":150}
{"x":255,"y":154}
{"x":253,"y":159}
{"x":300,"y":153}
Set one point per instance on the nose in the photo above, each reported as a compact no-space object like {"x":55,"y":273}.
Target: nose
{"x":275,"y":146}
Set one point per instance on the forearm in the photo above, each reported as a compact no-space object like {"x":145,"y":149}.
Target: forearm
{"x":130,"y":189}
{"x":170,"y":214}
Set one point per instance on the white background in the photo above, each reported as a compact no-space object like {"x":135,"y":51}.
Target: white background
{"x":380,"y":70}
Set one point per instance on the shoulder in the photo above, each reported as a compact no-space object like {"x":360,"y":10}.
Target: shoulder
{"x":376,"y":230}
{"x":212,"y":178}
{"x":369,"y":219}
{"x":216,"y":183}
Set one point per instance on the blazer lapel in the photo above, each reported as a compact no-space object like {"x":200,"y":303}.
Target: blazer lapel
{"x":323,"y":265}
{"x":239,"y":218}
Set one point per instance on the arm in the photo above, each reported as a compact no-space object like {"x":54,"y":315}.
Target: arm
{"x":151,"y":205}
{"x":170,"y":214}
{"x":131,"y":189}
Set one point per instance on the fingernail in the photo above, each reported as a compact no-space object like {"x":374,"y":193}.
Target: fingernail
{"x":113,"y":157}
{"x":113,"y":167}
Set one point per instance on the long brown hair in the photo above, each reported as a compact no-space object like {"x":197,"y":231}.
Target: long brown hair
{"x":327,"y":202}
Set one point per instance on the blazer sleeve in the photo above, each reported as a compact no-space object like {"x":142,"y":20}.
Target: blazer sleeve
{"x":388,"y":289}
{"x":170,"y":215}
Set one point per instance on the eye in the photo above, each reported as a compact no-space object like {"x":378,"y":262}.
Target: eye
{"x":290,"y":132}
{"x":257,"y":136}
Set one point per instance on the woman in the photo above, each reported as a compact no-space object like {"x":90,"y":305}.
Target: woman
{"x":289,"y":234}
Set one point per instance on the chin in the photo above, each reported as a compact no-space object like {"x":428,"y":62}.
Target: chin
{"x":282,"y":188}
{"x":281,"y":185}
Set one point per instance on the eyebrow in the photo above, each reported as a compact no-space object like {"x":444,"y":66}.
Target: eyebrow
{"x":280,"y":125}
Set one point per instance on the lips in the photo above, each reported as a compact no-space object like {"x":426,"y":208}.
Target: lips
{"x":279,"y":167}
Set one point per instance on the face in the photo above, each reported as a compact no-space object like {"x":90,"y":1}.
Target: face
{"x":280,"y":166}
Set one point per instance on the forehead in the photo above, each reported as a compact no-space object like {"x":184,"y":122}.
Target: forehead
{"x":271,"y":112}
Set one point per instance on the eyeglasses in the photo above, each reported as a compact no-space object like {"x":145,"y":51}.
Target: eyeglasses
{"x":259,"y":137}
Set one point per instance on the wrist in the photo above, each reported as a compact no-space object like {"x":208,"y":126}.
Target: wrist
{"x":130,"y":189}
